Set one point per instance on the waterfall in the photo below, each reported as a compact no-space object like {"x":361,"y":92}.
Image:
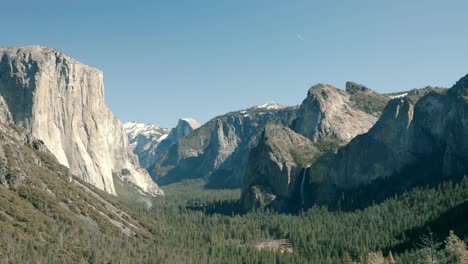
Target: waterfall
{"x":302,"y":184}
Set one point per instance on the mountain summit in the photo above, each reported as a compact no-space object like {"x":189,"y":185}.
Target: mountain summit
{"x":144,"y":140}
{"x":150,"y":141}
{"x":417,"y":140}
{"x":329,"y":112}
{"x":327,"y":118}
{"x":218,"y":150}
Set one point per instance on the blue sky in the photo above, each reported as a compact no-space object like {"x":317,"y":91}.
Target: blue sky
{"x":168,"y":59}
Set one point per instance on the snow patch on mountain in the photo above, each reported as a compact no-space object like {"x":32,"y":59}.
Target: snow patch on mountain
{"x":149,"y":141}
{"x":398,"y":95}
{"x":135,"y":129}
{"x":144,"y":139}
{"x":270,"y":106}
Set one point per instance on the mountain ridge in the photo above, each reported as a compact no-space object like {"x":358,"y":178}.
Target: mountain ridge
{"x":328,"y":118}
{"x":149,"y":142}
{"x":426,"y":136}
{"x":218,"y":149}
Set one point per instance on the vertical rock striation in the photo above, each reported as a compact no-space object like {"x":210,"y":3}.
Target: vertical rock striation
{"x":61,"y":101}
{"x":419,"y":139}
{"x":218,"y":150}
{"x":275,"y":167}
{"x":328,"y":117}
{"x":184,"y":127}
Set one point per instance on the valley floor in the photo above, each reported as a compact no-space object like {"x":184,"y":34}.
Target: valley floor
{"x":193,"y":225}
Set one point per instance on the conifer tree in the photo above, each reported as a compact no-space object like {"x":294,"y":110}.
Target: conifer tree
{"x":430,"y":247}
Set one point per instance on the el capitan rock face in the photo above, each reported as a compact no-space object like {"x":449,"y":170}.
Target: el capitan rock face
{"x":21,"y":155}
{"x":5,"y":115}
{"x":61,"y":102}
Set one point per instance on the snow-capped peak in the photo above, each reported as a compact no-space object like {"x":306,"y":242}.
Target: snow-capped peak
{"x":270,"y":106}
{"x":148,"y":142}
{"x":135,"y":129}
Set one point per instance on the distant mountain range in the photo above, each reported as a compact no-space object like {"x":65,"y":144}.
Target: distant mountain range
{"x":218,"y":150}
{"x":148,"y":142}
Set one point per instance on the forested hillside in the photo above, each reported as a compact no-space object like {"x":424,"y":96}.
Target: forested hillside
{"x":204,"y":227}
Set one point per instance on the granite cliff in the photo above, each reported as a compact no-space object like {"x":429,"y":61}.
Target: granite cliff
{"x":61,"y":102}
{"x":218,"y":150}
{"x":327,"y":118}
{"x":144,"y":140}
{"x":331,"y":113}
{"x":40,"y":198}
{"x":418,"y":140}
{"x":274,"y":167}
{"x":149,"y":142}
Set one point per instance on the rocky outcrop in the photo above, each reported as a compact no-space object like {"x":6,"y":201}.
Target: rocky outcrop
{"x":386,"y":142}
{"x":329,"y":117}
{"x":218,"y":150}
{"x":61,"y":102}
{"x":460,"y":89}
{"x":5,"y":115}
{"x":328,"y":112}
{"x":144,"y":140}
{"x":149,"y":142}
{"x":411,"y":144}
{"x":184,"y":127}
{"x":366,"y":99}
{"x":21,"y":154}
{"x":415,"y":94}
{"x":40,"y":190}
{"x":274,"y":167}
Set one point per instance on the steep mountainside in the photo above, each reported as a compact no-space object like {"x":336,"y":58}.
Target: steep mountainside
{"x":219,"y":149}
{"x":150,"y":141}
{"x":414,"y":142}
{"x":273,"y":167}
{"x":144,"y":140}
{"x":331,"y":113}
{"x":329,"y":117}
{"x":366,"y":99}
{"x":184,"y":127}
{"x":415,"y":94}
{"x":43,"y":208}
{"x":61,"y":102}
